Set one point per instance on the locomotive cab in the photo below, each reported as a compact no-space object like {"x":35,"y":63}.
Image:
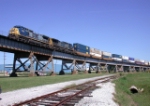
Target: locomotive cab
{"x":14,"y":32}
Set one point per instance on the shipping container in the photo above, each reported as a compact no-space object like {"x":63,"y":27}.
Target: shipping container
{"x":107,"y":54}
{"x":116,"y":57}
{"x":125,"y":57}
{"x":142,"y":62}
{"x":131,"y":60}
{"x":146,"y":63}
{"x":92,"y":50}
{"x":95,"y":53}
{"x":83,"y":51}
{"x":81,"y":47}
{"x":106,"y":57}
{"x":137,"y":61}
{"x":98,"y":51}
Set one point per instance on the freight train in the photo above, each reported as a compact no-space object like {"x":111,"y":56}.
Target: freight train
{"x":21,"y":33}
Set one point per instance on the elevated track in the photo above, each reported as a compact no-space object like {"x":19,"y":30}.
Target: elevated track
{"x":36,"y":53}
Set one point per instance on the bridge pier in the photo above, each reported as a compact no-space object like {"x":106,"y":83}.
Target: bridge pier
{"x":126,"y":68}
{"x":132,"y":69}
{"x":104,"y":67}
{"x":111,"y":68}
{"x":17,"y":58}
{"x":44,"y":67}
{"x":137,"y":69}
{"x":81,"y":66}
{"x":119,"y":68}
{"x":66,"y":67}
{"x":92,"y":67}
{"x":32,"y":64}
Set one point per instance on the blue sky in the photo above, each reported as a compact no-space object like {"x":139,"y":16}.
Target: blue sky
{"x":117,"y":26}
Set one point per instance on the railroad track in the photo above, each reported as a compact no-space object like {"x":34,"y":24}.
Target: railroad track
{"x":66,"y":97}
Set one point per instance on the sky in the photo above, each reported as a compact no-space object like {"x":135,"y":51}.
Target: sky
{"x":116,"y":26}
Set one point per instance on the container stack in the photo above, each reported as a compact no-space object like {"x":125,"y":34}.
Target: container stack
{"x":131,"y":60}
{"x":116,"y":57}
{"x":125,"y":58}
{"x":146,"y":63}
{"x":137,"y":61}
{"x":95,"y":53}
{"x":81,"y":48}
{"x":107,"y":56}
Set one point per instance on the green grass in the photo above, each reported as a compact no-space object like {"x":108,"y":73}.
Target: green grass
{"x":123,"y":95}
{"x":14,"y":83}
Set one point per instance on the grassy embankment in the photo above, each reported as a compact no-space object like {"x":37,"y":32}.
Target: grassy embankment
{"x":14,"y":83}
{"x":123,"y":95}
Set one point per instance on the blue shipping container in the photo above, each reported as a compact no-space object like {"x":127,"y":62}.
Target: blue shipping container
{"x":80,"y":46}
{"x":116,"y":55}
{"x":130,"y":58}
{"x":83,"y":51}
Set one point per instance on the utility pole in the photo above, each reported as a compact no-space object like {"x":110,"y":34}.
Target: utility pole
{"x":4,"y":60}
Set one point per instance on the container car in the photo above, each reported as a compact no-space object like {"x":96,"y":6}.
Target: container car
{"x":137,"y":61}
{"x":142,"y":62}
{"x":125,"y":59}
{"x":131,"y":60}
{"x":106,"y":56}
{"x":95,"y":53}
{"x":81,"y":49}
{"x":146,"y":63}
{"x":116,"y":57}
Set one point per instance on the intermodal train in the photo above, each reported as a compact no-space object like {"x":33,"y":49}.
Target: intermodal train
{"x":26,"y":35}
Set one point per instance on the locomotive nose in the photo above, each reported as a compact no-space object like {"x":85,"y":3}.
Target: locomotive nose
{"x":14,"y":31}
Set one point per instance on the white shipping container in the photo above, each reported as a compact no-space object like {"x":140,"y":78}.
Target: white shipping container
{"x":91,"y":53}
{"x":137,"y":59}
{"x":125,"y":57}
{"x":92,"y":50}
{"x":107,"y":53}
{"x":99,"y":52}
{"x":117,"y":59}
{"x":146,"y":62}
{"x":142,"y":61}
{"x":95,"y":54}
{"x":131,"y":61}
{"x":98,"y":55}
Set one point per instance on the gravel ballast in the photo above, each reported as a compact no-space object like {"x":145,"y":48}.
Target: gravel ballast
{"x":102,"y":96}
